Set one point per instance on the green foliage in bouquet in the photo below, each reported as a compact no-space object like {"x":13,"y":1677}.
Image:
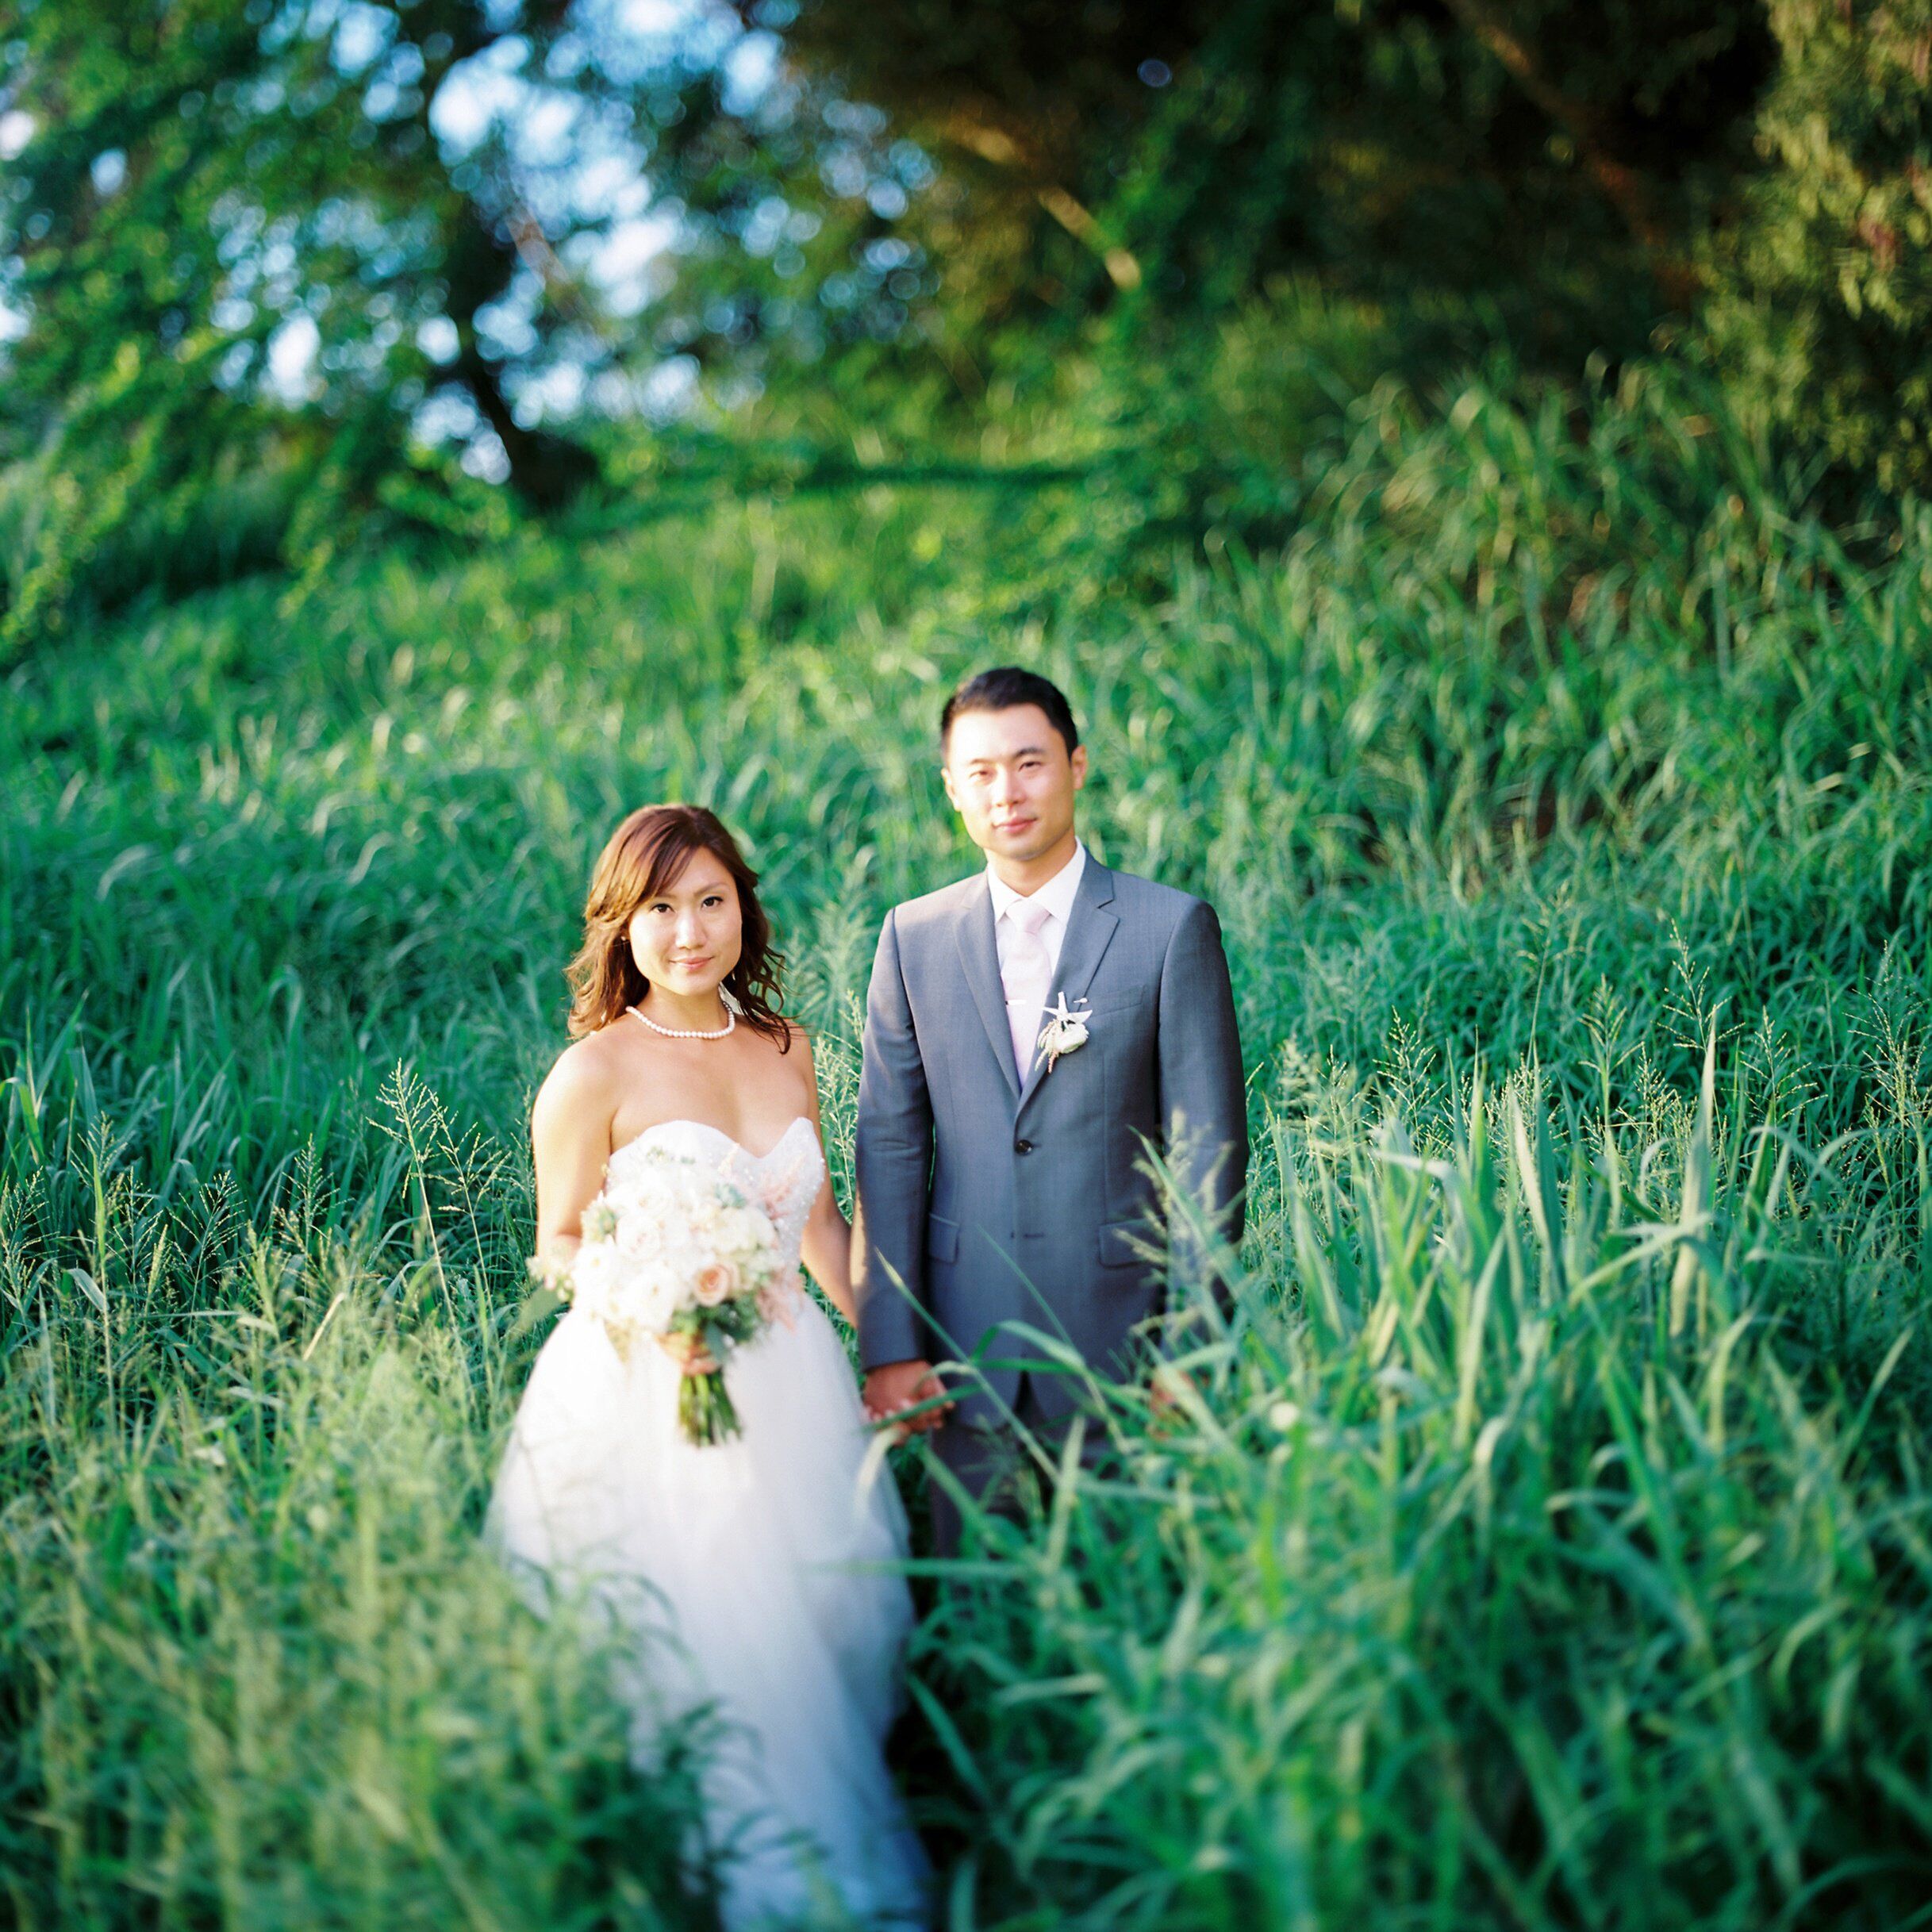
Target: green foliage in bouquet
{"x":706,"y":1411}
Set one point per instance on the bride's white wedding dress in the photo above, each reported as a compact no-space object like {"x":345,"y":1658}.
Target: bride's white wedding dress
{"x":753,"y":1573}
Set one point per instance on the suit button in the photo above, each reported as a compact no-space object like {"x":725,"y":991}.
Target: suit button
{"x":1023,"y":1146}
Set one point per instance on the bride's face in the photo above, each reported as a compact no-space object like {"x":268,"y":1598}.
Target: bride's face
{"x":690,"y":936}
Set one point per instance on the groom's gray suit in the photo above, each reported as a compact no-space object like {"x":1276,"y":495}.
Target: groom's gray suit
{"x":971,"y":1185}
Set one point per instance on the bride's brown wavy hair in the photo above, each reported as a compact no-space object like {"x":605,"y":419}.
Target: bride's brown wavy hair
{"x":643,"y":855}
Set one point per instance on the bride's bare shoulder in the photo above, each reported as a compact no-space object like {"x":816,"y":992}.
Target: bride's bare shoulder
{"x":583,"y":1076}
{"x":791,"y":1061}
{"x":793,"y":1041}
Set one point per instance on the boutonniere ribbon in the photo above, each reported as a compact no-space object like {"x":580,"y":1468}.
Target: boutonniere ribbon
{"x":1064,"y":1031}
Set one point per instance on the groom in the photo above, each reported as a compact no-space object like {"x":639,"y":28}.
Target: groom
{"x":993,"y":1178}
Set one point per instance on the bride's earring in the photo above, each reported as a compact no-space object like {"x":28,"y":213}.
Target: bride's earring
{"x":732,"y":1003}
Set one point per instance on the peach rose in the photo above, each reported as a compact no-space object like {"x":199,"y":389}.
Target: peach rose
{"x":716,"y":1282}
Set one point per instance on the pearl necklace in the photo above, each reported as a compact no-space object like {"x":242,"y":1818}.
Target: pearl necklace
{"x":688,"y":1033}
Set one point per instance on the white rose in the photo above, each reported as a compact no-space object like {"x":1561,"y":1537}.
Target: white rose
{"x":594,"y":1273}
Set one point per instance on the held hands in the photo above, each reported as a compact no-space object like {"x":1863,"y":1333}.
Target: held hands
{"x":1166,"y":1409}
{"x":897,"y":1385}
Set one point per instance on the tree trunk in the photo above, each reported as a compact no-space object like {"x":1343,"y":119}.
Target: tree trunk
{"x":547,"y":470}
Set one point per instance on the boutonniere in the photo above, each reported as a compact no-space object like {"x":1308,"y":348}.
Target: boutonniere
{"x":1064,"y":1032}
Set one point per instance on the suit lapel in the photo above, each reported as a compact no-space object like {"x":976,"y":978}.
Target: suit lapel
{"x":979,"y":954}
{"x":1090,"y":931}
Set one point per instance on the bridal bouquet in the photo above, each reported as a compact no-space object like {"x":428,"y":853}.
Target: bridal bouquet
{"x":672,"y":1246}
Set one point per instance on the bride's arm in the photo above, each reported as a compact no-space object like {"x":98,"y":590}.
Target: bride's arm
{"x":569,"y":1136}
{"x":828,"y":1251}
{"x":827,"y":1246}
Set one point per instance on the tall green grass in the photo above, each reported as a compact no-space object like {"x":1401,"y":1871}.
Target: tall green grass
{"x":1548,"y":1549}
{"x":1542,"y":1561}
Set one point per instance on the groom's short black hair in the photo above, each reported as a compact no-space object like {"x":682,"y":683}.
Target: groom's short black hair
{"x":1000,"y":689}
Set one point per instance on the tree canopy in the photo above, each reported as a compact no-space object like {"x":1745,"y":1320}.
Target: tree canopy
{"x":296,"y":243}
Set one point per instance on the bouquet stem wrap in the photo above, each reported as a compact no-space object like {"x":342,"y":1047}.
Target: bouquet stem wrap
{"x":706,"y":1411}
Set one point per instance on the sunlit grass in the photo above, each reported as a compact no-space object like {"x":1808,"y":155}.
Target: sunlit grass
{"x":1551,"y":1549}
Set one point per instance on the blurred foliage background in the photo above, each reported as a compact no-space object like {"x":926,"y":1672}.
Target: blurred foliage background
{"x":1468,"y":460}
{"x":279,"y":274}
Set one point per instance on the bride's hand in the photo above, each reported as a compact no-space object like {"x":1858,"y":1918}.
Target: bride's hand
{"x":689,"y":1353}
{"x":896,"y":1385}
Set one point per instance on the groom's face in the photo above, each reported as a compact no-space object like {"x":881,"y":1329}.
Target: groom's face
{"x":1012,"y":780}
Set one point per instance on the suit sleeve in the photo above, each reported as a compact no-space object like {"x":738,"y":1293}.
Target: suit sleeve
{"x":892,"y":1168}
{"x":1203,"y":1100}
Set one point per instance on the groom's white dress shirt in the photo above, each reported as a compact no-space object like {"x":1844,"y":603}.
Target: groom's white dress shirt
{"x":1030,"y":929}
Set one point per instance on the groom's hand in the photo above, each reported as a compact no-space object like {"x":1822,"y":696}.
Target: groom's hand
{"x":896,"y":1385}
{"x":1165,"y":1410}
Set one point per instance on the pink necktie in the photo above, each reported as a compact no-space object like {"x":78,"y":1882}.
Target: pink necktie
{"x":1026,"y":973}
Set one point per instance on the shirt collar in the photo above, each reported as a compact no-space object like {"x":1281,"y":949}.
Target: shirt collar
{"x":1056,"y":895}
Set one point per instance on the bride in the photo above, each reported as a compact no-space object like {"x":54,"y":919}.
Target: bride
{"x":756,"y":1574}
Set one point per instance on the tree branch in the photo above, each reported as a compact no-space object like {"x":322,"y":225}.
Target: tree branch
{"x":1622,"y":186}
